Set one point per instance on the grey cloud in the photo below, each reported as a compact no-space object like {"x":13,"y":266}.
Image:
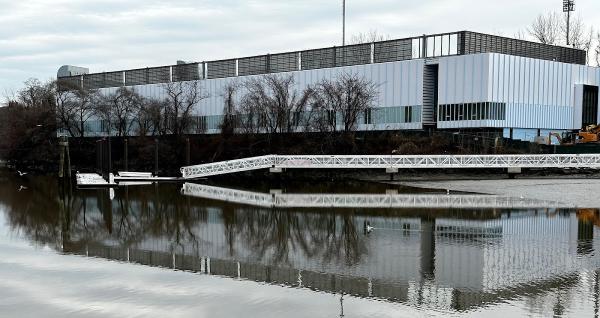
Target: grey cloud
{"x":37,"y":36}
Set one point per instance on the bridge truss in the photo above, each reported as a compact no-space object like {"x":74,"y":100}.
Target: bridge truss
{"x":277,"y":200}
{"x":392,"y":162}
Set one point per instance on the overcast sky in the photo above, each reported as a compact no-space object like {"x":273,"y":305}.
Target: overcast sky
{"x":38,"y":36}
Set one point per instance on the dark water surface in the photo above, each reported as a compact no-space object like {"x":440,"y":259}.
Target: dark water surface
{"x":151,"y":251}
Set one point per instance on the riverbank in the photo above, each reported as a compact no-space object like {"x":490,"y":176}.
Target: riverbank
{"x":166,"y":154}
{"x":581,"y":192}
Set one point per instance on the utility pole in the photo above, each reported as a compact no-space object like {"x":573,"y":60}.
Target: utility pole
{"x":343,"y":22}
{"x":568,"y":7}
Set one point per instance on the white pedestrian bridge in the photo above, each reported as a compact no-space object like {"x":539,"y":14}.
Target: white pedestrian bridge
{"x":381,"y":201}
{"x":279,"y":162}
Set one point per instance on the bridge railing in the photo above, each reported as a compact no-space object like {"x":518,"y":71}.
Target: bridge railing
{"x":225,"y":167}
{"x":382,"y":201}
{"x":392,"y":161}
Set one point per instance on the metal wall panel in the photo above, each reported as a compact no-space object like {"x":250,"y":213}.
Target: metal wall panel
{"x":71,"y":82}
{"x":353,"y":55}
{"x":113,"y":79}
{"x":145,"y":76}
{"x":284,"y":62}
{"x":157,"y":75}
{"x":390,"y":51}
{"x":538,"y":93}
{"x":186,"y":72}
{"x":93,"y":81}
{"x":320,"y":58}
{"x":220,"y":69}
{"x":135,"y":77}
{"x":253,"y":65}
{"x":474,"y":43}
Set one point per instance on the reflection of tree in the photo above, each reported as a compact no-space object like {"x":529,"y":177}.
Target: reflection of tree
{"x":276,"y":235}
{"x":33,"y":212}
{"x":50,"y":215}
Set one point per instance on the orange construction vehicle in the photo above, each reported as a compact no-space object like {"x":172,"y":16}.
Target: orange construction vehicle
{"x":566,"y":139}
{"x":590,"y":134}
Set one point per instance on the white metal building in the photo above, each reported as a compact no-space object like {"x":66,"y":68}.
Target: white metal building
{"x":462,"y":80}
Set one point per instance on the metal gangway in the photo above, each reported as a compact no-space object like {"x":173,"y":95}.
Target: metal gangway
{"x":392,"y":162}
{"x":379,"y":201}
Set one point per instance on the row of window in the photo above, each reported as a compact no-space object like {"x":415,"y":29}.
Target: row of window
{"x":383,"y":115}
{"x":472,"y":111}
{"x":201,"y":124}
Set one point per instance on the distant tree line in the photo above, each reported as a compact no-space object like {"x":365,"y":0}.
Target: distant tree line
{"x":269,"y":104}
{"x":272,"y":104}
{"x":553,"y":28}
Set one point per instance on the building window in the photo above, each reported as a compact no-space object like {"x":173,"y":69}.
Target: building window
{"x":408,"y":114}
{"x":367,"y":117}
{"x":331,"y":118}
{"x":201,"y":124}
{"x":471,"y":111}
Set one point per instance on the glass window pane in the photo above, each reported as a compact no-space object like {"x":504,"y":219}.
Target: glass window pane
{"x":438,"y":46}
{"x":430,"y":46}
{"x":416,"y":48}
{"x":453,"y":44}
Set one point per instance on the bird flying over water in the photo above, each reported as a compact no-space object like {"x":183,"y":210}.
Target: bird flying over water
{"x":21,"y":188}
{"x":21,"y":174}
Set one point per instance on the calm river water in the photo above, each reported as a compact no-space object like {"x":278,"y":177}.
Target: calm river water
{"x":171,"y":250}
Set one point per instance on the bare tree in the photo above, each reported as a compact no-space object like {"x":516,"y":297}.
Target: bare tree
{"x":118,"y":108}
{"x":180,"y":102}
{"x":546,"y":28}
{"x":552,"y":28}
{"x":36,"y":94}
{"x":348,"y":97}
{"x":247,"y":112}
{"x":597,"y":49}
{"x":520,"y":35}
{"x":85,"y":102}
{"x":66,"y":108}
{"x":149,"y":117}
{"x":368,"y":37}
{"x":230,"y":114}
{"x":275,"y":104}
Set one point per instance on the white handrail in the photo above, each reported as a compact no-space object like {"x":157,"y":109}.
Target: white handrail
{"x":395,"y":162}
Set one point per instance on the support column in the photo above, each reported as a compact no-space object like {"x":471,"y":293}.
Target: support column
{"x":391,"y":172}
{"x":126,"y":154}
{"x":513,"y":172}
{"x":275,"y":170}
{"x":187,"y":151}
{"x":156,"y":156}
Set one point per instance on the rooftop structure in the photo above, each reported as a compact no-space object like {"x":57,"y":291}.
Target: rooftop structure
{"x":426,"y":46}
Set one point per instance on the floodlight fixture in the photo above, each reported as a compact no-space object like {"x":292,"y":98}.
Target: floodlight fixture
{"x":568,"y":7}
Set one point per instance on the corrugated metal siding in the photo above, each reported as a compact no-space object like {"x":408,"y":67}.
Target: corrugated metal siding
{"x":400,"y":85}
{"x":537,"y":93}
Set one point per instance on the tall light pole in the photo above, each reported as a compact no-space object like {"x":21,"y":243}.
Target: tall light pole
{"x":568,"y":7}
{"x":343,"y":22}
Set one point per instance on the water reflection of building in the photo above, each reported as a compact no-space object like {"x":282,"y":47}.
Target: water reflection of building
{"x":446,"y":259}
{"x":457,"y":261}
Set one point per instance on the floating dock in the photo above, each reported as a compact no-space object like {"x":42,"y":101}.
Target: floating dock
{"x":92,"y":180}
{"x":123,"y":178}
